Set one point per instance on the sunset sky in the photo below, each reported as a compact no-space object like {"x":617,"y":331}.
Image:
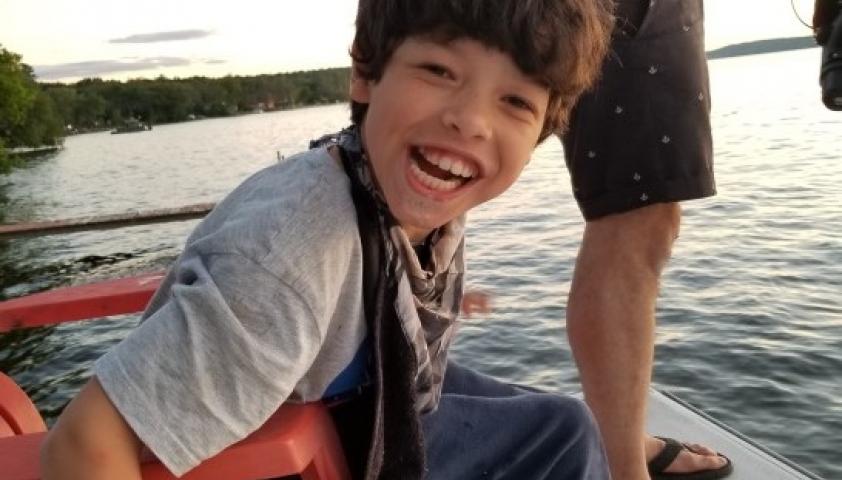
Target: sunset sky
{"x":66,"y":41}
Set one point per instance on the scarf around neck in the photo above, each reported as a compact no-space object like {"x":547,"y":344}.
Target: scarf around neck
{"x":411,"y":310}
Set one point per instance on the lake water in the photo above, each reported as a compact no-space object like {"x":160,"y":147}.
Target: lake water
{"x":750,"y":315}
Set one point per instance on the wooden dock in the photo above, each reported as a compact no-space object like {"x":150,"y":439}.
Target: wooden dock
{"x":104,"y":222}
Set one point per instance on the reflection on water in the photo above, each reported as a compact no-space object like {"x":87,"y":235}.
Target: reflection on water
{"x":749,"y":317}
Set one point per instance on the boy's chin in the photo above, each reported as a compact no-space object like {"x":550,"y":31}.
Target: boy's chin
{"x":415,"y":234}
{"x":417,"y":230}
{"x":418,"y":214}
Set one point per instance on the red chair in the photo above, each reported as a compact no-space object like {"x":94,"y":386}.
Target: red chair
{"x":68,"y":304}
{"x":297,"y":439}
{"x":18,"y":415}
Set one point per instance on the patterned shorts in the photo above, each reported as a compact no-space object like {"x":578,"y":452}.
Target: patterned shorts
{"x":642,"y":135}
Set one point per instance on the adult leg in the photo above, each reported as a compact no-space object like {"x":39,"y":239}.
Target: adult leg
{"x":487,"y":429}
{"x":639,"y":143}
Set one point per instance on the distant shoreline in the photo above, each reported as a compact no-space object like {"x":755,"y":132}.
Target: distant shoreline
{"x":757,"y":47}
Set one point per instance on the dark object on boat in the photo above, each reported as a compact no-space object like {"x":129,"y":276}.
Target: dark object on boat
{"x":132,"y":125}
{"x":828,"y":29}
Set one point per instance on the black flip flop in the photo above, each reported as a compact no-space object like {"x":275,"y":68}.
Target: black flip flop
{"x":671,"y":450}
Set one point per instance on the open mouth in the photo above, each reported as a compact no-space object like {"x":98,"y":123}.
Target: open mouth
{"x":440,"y":170}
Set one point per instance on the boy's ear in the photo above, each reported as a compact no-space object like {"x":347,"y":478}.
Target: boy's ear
{"x":360,"y":86}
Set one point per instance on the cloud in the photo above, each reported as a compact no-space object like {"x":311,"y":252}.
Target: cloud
{"x":97,"y":68}
{"x":171,"y":36}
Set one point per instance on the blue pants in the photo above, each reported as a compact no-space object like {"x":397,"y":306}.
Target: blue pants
{"x":487,"y":429}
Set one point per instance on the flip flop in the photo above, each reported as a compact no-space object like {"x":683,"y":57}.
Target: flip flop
{"x":671,"y":450}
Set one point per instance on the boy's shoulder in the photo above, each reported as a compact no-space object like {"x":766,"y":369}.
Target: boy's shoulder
{"x":302,"y":202}
{"x":303,"y":180}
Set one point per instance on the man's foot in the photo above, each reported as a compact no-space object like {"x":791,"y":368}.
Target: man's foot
{"x":690,"y":459}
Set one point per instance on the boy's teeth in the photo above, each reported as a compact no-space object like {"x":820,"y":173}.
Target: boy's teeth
{"x":433,"y":182}
{"x":449,"y":163}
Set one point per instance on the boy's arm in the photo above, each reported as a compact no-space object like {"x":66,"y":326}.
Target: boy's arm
{"x":91,"y":441}
{"x":611,"y":322}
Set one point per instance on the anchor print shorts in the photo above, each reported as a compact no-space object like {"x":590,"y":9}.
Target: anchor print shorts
{"x":642,"y":135}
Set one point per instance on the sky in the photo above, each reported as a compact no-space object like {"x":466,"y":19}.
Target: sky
{"x":67,"y":40}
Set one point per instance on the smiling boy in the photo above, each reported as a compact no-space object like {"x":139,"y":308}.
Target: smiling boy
{"x":341,"y":269}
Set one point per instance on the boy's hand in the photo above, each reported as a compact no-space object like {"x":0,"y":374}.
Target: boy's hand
{"x":475,"y":301}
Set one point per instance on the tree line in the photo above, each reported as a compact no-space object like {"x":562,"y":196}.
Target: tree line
{"x":35,"y":114}
{"x":28,"y":115}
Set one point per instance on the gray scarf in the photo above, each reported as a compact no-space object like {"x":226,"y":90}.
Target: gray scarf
{"x":411,"y":311}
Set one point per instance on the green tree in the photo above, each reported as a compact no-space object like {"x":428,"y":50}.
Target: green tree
{"x":233,"y":92}
{"x":135,"y":100}
{"x":89,"y":110}
{"x":17,"y":93}
{"x":211,"y":97}
{"x":5,"y":161}
{"x":65,"y":99}
{"x":42,"y":124}
{"x":171,"y":101}
{"x":28,"y":115}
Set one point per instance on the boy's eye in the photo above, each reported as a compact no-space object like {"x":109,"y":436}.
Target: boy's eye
{"x":436,"y":70}
{"x":519,"y":103}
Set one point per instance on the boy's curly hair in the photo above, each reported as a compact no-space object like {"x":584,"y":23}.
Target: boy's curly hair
{"x":560,"y":43}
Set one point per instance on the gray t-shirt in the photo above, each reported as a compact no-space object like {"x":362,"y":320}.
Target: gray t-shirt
{"x":263,"y":306}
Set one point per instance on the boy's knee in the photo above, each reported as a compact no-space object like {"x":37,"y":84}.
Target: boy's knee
{"x":572,"y":416}
{"x":580,"y":412}
{"x":575,"y":442}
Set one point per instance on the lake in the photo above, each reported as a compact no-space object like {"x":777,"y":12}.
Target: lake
{"x":750,"y":315}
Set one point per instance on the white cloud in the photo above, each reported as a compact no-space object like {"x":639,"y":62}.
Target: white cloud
{"x":170,"y":36}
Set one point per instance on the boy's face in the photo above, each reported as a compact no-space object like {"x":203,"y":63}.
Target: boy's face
{"x":448,"y":127}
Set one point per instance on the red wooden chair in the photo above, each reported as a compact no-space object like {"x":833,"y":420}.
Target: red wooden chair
{"x":18,"y":415}
{"x":67,"y":304}
{"x":297,"y":439}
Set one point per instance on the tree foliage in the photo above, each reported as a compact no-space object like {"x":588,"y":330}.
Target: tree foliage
{"x":41,"y":126}
{"x":17,"y":91}
{"x":28,"y":116}
{"x":5,"y":163}
{"x":93,"y":104}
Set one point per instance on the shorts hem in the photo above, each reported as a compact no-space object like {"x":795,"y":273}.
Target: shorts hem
{"x":644,"y":195}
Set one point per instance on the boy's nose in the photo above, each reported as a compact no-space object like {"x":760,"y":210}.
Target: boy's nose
{"x":469,"y":118}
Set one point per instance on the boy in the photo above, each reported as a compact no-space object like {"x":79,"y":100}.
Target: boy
{"x":265,"y":305}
